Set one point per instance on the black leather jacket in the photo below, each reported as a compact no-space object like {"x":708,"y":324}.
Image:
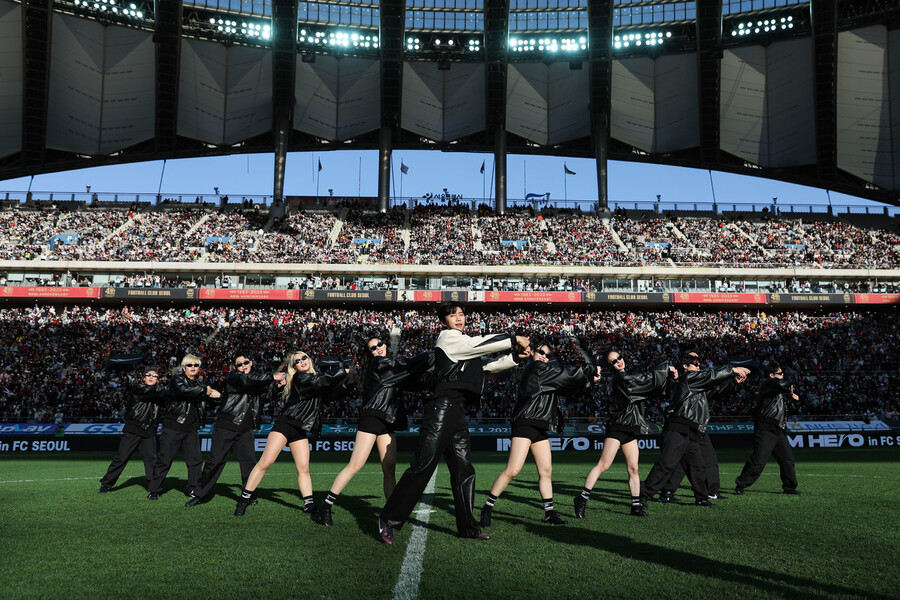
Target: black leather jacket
{"x":383,"y":380}
{"x":774,"y":402}
{"x":540,"y":387}
{"x":689,"y":404}
{"x":305,"y":400}
{"x":185,"y":395}
{"x":629,"y":393}
{"x":142,"y":409}
{"x":242,"y":392}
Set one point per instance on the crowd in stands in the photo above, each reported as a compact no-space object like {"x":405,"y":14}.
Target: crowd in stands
{"x":447,"y":235}
{"x":60,"y":360}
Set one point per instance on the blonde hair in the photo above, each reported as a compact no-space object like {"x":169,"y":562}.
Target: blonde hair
{"x":190,"y":358}
{"x":291,"y":370}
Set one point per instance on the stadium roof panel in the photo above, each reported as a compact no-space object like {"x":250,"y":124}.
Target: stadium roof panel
{"x":815,"y":104}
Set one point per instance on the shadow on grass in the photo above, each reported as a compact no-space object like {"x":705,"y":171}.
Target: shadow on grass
{"x":770,"y":582}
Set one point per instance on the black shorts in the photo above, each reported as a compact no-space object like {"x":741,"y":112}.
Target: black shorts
{"x":375,"y":425}
{"x":531,"y":432}
{"x":623,"y":435}
{"x":291,"y":432}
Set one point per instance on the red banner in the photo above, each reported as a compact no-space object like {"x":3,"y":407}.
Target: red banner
{"x":533,"y":297}
{"x":876,"y":298}
{"x":50,"y":292}
{"x":247,"y":294}
{"x":713,"y":298}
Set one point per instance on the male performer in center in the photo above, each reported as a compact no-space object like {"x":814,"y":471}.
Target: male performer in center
{"x":458,"y":382}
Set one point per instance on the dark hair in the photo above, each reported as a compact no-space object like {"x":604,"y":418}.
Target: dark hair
{"x":239,"y":353}
{"x":770,"y":366}
{"x":686,"y":358}
{"x":607,"y":351}
{"x":445,"y":309}
{"x":365,"y":355}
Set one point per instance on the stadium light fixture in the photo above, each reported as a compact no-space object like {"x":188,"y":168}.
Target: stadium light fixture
{"x":640,"y":39}
{"x":441,"y":46}
{"x":124,"y":12}
{"x":548,"y":45}
{"x":778,"y":24}
{"x":344,"y":41}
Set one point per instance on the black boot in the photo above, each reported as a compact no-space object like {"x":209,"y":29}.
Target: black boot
{"x":325,"y":515}
{"x":580,"y":505}
{"x":486,"y":515}
{"x":553,"y":518}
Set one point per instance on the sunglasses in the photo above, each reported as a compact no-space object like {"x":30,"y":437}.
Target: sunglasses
{"x":616,"y":359}
{"x":242,"y":364}
{"x":778,"y":373}
{"x":193,"y":365}
{"x":297,"y":361}
{"x":544,"y":353}
{"x":694,"y":361}
{"x":150,"y":375}
{"x":376,"y":346}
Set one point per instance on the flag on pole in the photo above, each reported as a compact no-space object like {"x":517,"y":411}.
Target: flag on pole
{"x":320,"y":164}
{"x":403,"y":168}
{"x":482,"y":167}
{"x":567,"y":170}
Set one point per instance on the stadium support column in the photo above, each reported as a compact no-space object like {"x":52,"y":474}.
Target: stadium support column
{"x":391,"y":39}
{"x":600,"y":20}
{"x":496,"y":18}
{"x":824,"y":34}
{"x":709,"y":68}
{"x":167,"y":37}
{"x":37,"y":15}
{"x":284,"y":72}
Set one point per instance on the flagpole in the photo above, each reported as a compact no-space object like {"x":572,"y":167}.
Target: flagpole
{"x":525,"y":180}
{"x":482,"y":182}
{"x":359,"y":179}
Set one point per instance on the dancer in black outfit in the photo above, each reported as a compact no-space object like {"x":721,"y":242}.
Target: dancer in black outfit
{"x":537,"y":413}
{"x":770,"y":437}
{"x":707,"y":452}
{"x":181,"y":423}
{"x":629,"y":394}
{"x":458,"y":382}
{"x":686,"y":419}
{"x":236,"y":419}
{"x":303,"y":394}
{"x":139,"y":433}
{"x":382,"y":413}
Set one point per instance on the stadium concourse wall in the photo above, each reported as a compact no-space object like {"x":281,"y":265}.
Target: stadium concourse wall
{"x":300,"y":298}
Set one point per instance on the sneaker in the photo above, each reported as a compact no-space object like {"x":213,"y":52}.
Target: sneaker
{"x":703,"y":503}
{"x":580,"y":505}
{"x":638,"y":511}
{"x":193,"y":501}
{"x":104,"y":488}
{"x":553,"y":518}
{"x":153,"y":496}
{"x":311,"y":509}
{"x":793,"y":492}
{"x":739,"y":491}
{"x":325,"y":515}
{"x":666,"y":496}
{"x":713,"y":497}
{"x":385,"y":533}
{"x":241,"y":507}
{"x":717,"y":495}
{"x":486,"y":516}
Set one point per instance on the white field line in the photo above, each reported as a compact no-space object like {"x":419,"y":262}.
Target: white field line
{"x":407,"y":587}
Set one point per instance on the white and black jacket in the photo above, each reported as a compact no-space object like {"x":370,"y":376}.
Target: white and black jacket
{"x":457,"y":360}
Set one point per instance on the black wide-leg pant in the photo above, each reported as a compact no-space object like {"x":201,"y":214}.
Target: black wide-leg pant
{"x":170,"y":442}
{"x":675,"y":446}
{"x":127,"y":445}
{"x":765,"y":444}
{"x":710,"y":469}
{"x":444,"y":431}
{"x":224,"y":441}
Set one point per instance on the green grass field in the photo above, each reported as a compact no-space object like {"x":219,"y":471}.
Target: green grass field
{"x":838,"y":540}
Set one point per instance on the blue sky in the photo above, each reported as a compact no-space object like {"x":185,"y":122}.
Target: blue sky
{"x":349,"y":173}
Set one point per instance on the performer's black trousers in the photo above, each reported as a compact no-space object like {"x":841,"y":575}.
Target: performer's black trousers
{"x":676,"y":445}
{"x":445,"y":430}
{"x":765,"y":444}
{"x":127,"y":445}
{"x":223,"y":442}
{"x":169,"y":443}
{"x":710,"y":469}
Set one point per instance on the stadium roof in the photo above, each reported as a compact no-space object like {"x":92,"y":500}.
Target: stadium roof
{"x":728,"y":87}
